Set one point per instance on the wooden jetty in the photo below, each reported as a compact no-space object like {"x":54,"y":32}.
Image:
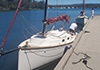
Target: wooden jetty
{"x":85,"y":51}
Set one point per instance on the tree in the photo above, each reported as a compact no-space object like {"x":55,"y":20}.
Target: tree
{"x":41,"y":5}
{"x":26,"y":4}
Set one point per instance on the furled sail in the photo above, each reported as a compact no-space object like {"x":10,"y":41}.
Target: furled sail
{"x":56,"y":19}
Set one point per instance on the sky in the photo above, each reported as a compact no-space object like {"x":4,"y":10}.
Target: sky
{"x":64,"y":2}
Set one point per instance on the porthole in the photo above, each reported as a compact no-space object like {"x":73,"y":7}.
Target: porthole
{"x":63,"y":40}
{"x":68,"y":38}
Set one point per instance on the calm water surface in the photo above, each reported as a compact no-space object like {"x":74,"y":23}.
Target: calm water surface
{"x":35,"y":17}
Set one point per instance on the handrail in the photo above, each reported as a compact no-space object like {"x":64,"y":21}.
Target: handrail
{"x":27,"y":48}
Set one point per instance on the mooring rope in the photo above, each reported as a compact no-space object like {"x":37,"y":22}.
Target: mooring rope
{"x":84,"y":60}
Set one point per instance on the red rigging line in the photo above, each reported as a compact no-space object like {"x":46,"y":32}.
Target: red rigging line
{"x":11,"y":24}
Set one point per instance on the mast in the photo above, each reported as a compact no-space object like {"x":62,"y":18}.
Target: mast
{"x":11,"y":24}
{"x":45,"y":14}
{"x":83,"y":5}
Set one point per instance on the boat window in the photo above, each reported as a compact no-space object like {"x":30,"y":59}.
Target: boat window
{"x":68,"y":38}
{"x":63,"y":40}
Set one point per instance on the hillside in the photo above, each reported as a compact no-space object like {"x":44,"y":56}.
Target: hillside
{"x":6,"y":5}
{"x":77,"y":5}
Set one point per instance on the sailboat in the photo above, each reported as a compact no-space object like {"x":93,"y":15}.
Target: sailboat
{"x":82,"y":18}
{"x":43,"y":47}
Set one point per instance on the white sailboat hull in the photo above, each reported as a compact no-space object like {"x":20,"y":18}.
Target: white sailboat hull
{"x":31,"y":59}
{"x":43,"y":50}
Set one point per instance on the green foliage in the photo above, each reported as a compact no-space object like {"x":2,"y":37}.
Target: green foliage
{"x":77,"y":5}
{"x":26,"y":5}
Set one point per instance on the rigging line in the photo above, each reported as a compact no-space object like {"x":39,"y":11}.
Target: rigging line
{"x":11,"y":24}
{"x":22,"y":28}
{"x":25,"y":28}
{"x":23,"y":32}
{"x":28,"y":22}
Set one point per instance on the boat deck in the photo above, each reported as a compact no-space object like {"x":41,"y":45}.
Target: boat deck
{"x":85,"y":51}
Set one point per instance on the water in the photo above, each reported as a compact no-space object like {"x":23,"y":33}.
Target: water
{"x":35,"y":17}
